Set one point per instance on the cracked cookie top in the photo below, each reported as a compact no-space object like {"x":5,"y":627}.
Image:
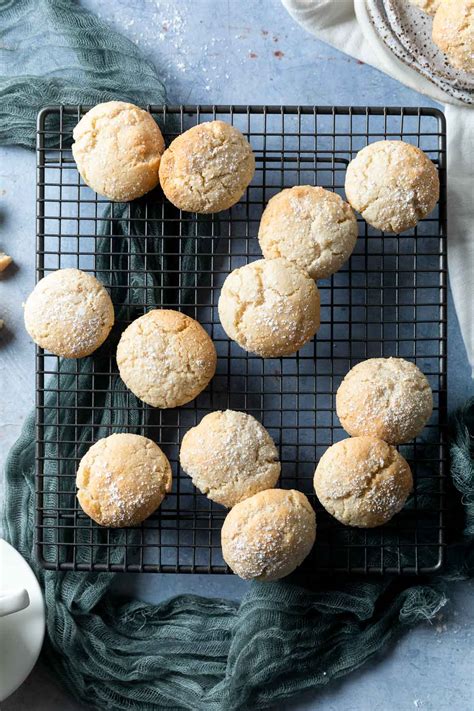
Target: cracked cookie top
{"x":362,"y":481}
{"x":166,"y":358}
{"x":122,"y":479}
{"x":310,"y":226}
{"x":392,"y":184}
{"x":269,"y":307}
{"x":268,"y":535}
{"x":388,"y":398}
{"x":428,"y":6}
{"x":117,"y":148}
{"x":230,"y":456}
{"x":207,"y":168}
{"x":69,"y":313}
{"x":453,"y":32}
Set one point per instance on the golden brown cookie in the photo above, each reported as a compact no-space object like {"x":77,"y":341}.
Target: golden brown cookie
{"x":310,"y":226}
{"x":122,"y":479}
{"x":362,"y":481}
{"x":453,"y":32}
{"x":392,"y":184}
{"x":69,"y":313}
{"x":388,"y":398}
{"x":230,"y":456}
{"x":117,"y":148}
{"x":269,"y":307}
{"x":207,"y":168}
{"x":268,"y":535}
{"x":166,"y":358}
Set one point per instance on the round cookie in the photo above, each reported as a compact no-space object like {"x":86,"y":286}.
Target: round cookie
{"x":207,"y":168}
{"x":230,"y":456}
{"x":389,"y":398}
{"x":392,"y":184}
{"x":362,"y":481}
{"x":268,"y":535}
{"x":310,"y":226}
{"x":122,"y":479}
{"x":428,"y":6}
{"x":269,"y":307}
{"x":69,"y":313}
{"x":166,"y":358}
{"x":117,"y":148}
{"x":453,"y":32}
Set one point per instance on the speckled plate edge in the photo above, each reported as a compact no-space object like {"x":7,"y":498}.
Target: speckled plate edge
{"x":392,"y":64}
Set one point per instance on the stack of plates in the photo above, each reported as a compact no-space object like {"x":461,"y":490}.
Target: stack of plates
{"x":398,"y":28}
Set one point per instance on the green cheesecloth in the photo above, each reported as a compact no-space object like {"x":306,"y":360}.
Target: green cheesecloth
{"x":188,"y":652}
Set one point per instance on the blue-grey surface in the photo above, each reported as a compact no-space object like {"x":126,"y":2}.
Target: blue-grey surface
{"x":239,"y":51}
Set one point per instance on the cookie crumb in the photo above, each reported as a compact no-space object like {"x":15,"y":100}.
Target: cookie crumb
{"x":5,"y":261}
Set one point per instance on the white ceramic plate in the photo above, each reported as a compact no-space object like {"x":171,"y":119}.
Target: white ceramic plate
{"x":21,"y":633}
{"x":400,"y":36}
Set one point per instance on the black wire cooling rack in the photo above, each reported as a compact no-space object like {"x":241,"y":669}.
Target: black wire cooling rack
{"x":388,"y":300}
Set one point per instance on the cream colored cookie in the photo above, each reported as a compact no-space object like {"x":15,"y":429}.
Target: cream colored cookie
{"x":117,"y":148}
{"x":166,"y":358}
{"x":69,"y":313}
{"x":392,"y":184}
{"x":428,"y":6}
{"x":362,"y":481}
{"x":207,"y":168}
{"x":310,"y":226}
{"x":268,"y":535}
{"x":230,"y":456}
{"x":453,"y":32}
{"x":388,"y":398}
{"x":269,"y":307}
{"x":122,"y":479}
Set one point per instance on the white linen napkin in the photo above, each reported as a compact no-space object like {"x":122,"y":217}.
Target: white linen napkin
{"x":344,"y":24}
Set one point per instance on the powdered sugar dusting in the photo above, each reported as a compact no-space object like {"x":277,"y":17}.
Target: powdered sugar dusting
{"x":122,"y":479}
{"x":230,"y":456}
{"x":362,"y":481}
{"x":386,"y":397}
{"x":310,"y":226}
{"x":269,"y":307}
{"x":69,"y":313}
{"x":393,"y":185}
{"x":267,"y":536}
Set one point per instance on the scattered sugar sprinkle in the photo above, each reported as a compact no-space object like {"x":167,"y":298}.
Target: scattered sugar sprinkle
{"x":230,"y":455}
{"x":385,"y":392}
{"x":285,"y":536}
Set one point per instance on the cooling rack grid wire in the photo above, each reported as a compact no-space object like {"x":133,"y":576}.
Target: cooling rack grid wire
{"x":388,"y":300}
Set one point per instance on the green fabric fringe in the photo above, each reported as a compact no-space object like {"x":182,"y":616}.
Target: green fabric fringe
{"x":188,"y":652}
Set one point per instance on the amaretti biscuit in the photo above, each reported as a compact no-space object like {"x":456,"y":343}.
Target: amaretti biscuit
{"x":122,"y":479}
{"x":362,"y":481}
{"x":392,"y":184}
{"x":388,"y":398}
{"x":310,"y":226}
{"x":269,"y":307}
{"x":166,"y":358}
{"x":453,"y":32}
{"x":267,"y":536}
{"x":207,"y":168}
{"x":230,"y":456}
{"x":69,"y":313}
{"x":117,"y":148}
